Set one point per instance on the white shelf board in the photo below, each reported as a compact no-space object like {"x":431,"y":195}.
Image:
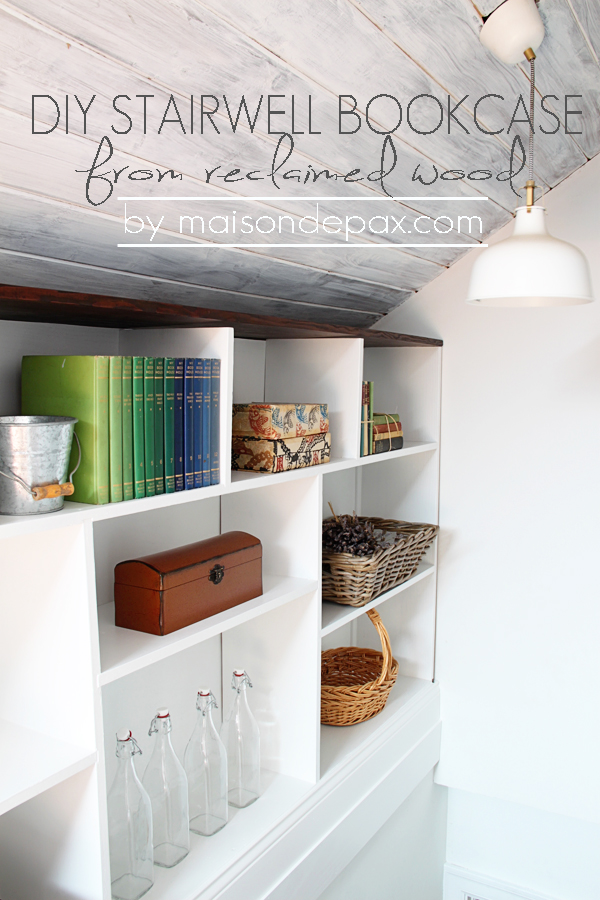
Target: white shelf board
{"x":210,"y":857}
{"x":340,"y":743}
{"x":77,"y":513}
{"x":123,"y":650}
{"x":33,"y":762}
{"x":241,"y":481}
{"x":336,"y":614}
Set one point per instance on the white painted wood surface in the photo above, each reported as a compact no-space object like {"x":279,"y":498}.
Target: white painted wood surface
{"x":107,"y":49}
{"x":123,"y":651}
{"x":32,"y":762}
{"x":61,"y":650}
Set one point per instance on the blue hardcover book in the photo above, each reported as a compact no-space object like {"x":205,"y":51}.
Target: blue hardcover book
{"x":188,"y":424}
{"x":198,"y":412}
{"x":206,"y":415}
{"x":215,"y":394}
{"x":178,"y":424}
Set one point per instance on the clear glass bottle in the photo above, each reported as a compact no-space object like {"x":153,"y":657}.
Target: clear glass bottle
{"x":241,"y":737}
{"x":129,"y":826}
{"x":166,"y":783}
{"x":205,"y":762}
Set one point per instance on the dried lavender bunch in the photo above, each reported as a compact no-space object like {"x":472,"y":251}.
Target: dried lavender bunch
{"x":346,"y":534}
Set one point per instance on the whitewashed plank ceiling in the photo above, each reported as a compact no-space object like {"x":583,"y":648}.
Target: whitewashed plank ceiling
{"x":50,"y":235}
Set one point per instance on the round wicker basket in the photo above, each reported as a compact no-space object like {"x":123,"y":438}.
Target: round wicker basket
{"x":355,"y":681}
{"x":354,"y":580}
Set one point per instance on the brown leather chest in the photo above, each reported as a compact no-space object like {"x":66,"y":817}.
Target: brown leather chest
{"x":166,"y":591}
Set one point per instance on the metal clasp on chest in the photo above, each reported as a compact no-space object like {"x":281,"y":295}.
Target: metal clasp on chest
{"x":217,"y":574}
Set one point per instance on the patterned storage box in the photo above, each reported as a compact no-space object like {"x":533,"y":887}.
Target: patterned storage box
{"x":261,"y":455}
{"x":279,"y":420}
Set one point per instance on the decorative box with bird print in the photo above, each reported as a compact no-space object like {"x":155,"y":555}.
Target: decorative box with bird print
{"x":279,"y":420}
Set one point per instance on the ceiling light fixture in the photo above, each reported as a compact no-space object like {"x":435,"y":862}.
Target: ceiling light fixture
{"x":530,"y":268}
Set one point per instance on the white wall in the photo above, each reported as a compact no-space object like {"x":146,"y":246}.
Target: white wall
{"x":404,"y":860}
{"x":518,"y":642}
{"x":557,"y":856}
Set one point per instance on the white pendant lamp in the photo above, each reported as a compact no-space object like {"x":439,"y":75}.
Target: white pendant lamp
{"x":530,"y":268}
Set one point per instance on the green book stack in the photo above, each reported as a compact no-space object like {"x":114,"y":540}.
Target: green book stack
{"x":128,"y":492}
{"x":115,"y":427}
{"x":139,"y":455}
{"x":159,"y":425}
{"x":149,"y":425}
{"x":130,"y":421}
{"x":74,"y":386}
{"x":169,"y":394}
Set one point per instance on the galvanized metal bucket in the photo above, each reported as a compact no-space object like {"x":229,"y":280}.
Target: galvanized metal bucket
{"x":34,"y":463}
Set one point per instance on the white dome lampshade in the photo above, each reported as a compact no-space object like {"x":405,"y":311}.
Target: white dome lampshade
{"x":530,"y":268}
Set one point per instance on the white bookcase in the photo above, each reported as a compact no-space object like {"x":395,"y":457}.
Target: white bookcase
{"x":69,"y":678}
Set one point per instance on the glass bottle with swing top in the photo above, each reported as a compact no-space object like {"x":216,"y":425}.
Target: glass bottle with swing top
{"x":166,"y":784}
{"x":205,"y":763}
{"x":241,"y":737}
{"x":129,"y":826}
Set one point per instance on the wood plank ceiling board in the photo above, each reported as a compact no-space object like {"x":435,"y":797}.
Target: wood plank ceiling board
{"x":218,"y":43}
{"x":588,"y":18}
{"x":248,"y":152}
{"x":36,"y":47}
{"x":565,"y":65}
{"x":430,"y":33}
{"x":361,"y":55}
{"x":409,"y":270}
{"x":43,"y":229}
{"x":171,"y":49}
{"x":397,"y":269}
{"x":21,"y":269}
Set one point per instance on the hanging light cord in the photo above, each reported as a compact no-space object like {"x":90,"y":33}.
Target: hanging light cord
{"x":531,"y":111}
{"x":530,"y":56}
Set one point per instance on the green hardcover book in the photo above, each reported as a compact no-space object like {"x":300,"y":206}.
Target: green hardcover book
{"x":149,"y":425}
{"x":139,"y":461}
{"x":169,"y":394}
{"x":159,"y":424}
{"x":115,"y":427}
{"x":384,"y":418}
{"x":128,"y":492}
{"x":74,"y":386}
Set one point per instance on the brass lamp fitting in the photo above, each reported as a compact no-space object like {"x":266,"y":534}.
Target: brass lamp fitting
{"x":529,"y":187}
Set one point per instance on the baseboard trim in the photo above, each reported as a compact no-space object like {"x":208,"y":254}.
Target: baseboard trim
{"x":463,"y":884}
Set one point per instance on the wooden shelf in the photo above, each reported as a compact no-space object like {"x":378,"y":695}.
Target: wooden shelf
{"x":339,"y":744}
{"x":123,"y":650}
{"x":46,"y":305}
{"x":335,"y":614}
{"x":33,"y":762}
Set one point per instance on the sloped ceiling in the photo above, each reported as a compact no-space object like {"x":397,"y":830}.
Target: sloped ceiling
{"x":51,"y":236}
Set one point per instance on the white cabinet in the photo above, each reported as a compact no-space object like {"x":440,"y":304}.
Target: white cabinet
{"x":69,"y":678}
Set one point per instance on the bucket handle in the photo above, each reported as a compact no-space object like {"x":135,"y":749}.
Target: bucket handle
{"x":48,"y":491}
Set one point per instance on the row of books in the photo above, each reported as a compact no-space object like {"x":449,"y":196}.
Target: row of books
{"x":147,"y":425}
{"x":379,"y":432}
